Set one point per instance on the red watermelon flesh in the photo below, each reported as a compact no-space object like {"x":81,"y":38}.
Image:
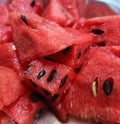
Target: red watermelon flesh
{"x":104,"y":29}
{"x":26,"y":109}
{"x":25,"y":6}
{"x":9,"y":58}
{"x":5,"y":29}
{"x":73,"y":56}
{"x":4,"y":119}
{"x":36,"y":36}
{"x":10,"y":86}
{"x":50,"y":76}
{"x":95,"y":93}
{"x":57,"y":13}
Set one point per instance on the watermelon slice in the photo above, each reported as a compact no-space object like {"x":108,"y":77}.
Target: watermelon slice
{"x":50,"y":76}
{"x":28,"y":108}
{"x":10,"y":86}
{"x":9,"y":58}
{"x":95,"y":93}
{"x":52,"y":81}
{"x":36,"y":36}
{"x":74,"y":55}
{"x":57,"y":13}
{"x":104,"y":29}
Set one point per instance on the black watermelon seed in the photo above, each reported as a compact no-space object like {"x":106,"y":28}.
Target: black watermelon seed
{"x":35,"y":97}
{"x":46,"y":92}
{"x":107,"y":87}
{"x":77,"y":70}
{"x":41,"y":73}
{"x":39,"y":113}
{"x":54,"y":97}
{"x":66,"y":50}
{"x":51,"y":75}
{"x":63,"y":81}
{"x":79,"y":54}
{"x":23,"y":18}
{"x":27,"y":70}
{"x":101,"y":44}
{"x":32,"y":3}
{"x":97,"y":31}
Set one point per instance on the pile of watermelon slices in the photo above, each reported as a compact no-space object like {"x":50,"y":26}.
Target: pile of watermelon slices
{"x":53,"y":59}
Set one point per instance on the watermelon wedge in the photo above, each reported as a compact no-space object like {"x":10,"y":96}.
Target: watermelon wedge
{"x":56,"y":12}
{"x":49,"y":76}
{"x":104,"y":29}
{"x":95,"y":93}
{"x":36,"y":36}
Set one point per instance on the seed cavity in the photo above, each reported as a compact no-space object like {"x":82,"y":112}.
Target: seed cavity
{"x":51,"y":75}
{"x":27,"y":70}
{"x":49,"y":59}
{"x":63,"y":81}
{"x":65,"y":51}
{"x":33,"y":3}
{"x":46,"y":92}
{"x":95,"y":87}
{"x":79,"y":54}
{"x":39,"y":113}
{"x":23,"y":18}
{"x":33,"y":84}
{"x":97,"y":31}
{"x":86,"y":50}
{"x":35,"y":97}
{"x":77,"y":70}
{"x":41,"y":73}
{"x":108,"y":86}
{"x":54,"y":97}
{"x":102,"y":44}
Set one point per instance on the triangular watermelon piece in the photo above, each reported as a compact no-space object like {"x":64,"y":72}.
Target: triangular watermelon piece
{"x":56,"y":12}
{"x":36,"y":36}
{"x":50,"y":76}
{"x":104,"y":29}
{"x":52,"y":80}
{"x":95,"y":93}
